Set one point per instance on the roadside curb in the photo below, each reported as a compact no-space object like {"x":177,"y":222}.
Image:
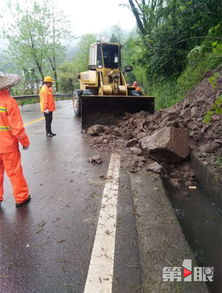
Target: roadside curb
{"x":160,"y":237}
{"x":207,"y":177}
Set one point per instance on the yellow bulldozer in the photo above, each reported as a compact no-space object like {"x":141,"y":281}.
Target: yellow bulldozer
{"x":104,"y":94}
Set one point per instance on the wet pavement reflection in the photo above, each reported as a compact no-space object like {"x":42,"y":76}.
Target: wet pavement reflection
{"x":46,"y":246}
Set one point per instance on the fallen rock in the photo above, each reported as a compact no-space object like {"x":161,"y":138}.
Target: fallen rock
{"x":131,"y":143}
{"x":186,"y":113}
{"x":209,"y":147}
{"x":127,"y":136}
{"x":218,"y":141}
{"x":155,"y":167}
{"x":96,"y":129}
{"x":195,"y":111}
{"x":116,"y":132}
{"x":136,"y":151}
{"x":169,"y":144}
{"x":95,"y":159}
{"x":134,"y":163}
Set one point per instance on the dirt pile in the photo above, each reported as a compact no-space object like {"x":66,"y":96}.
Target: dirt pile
{"x":204,"y":139}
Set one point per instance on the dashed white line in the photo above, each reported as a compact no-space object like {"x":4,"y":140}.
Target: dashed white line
{"x":100,"y":273}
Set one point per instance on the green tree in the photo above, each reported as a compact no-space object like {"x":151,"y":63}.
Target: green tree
{"x":69,"y":71}
{"x":58,"y":32}
{"x":132,"y":53}
{"x":68,"y":77}
{"x":81,"y":60}
{"x":170,"y":29}
{"x":35,"y":36}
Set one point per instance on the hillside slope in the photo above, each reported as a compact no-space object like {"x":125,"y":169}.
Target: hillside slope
{"x":204,"y":139}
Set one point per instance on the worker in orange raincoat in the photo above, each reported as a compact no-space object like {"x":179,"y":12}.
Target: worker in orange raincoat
{"x":11,"y":133}
{"x":138,"y":89}
{"x":47,"y":104}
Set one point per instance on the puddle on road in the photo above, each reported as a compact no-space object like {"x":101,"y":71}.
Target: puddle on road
{"x":201,"y":221}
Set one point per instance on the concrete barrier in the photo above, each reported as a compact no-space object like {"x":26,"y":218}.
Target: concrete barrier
{"x":208,"y":179}
{"x":160,"y":237}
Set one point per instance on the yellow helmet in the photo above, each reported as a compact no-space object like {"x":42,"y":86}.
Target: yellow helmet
{"x":48,"y":79}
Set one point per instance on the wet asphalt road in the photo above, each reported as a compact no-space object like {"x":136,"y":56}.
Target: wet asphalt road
{"x":46,"y":246}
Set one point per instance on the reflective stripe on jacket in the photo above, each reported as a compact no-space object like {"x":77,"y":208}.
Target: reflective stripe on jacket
{"x":46,"y":99}
{"x":2,"y":128}
{"x":11,"y":125}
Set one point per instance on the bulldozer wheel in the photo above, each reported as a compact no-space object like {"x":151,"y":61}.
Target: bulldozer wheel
{"x":76,"y":103}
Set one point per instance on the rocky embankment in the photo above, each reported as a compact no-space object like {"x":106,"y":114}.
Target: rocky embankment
{"x":163,"y":141}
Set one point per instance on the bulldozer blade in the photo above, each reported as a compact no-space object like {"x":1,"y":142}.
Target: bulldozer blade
{"x":107,"y":109}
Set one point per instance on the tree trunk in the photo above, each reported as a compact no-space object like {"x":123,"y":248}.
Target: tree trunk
{"x":137,"y":16}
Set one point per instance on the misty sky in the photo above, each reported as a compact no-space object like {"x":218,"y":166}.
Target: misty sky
{"x":92,"y":16}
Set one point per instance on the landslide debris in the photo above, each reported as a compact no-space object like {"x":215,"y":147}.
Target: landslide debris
{"x":168,"y":136}
{"x":95,"y":159}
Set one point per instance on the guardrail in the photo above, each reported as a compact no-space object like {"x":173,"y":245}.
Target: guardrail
{"x":35,"y":96}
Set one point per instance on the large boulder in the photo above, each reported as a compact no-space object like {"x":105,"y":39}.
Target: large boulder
{"x":170,"y":144}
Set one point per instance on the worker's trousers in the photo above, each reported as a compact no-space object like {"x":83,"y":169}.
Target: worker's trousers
{"x":48,"y":122}
{"x":11,"y":163}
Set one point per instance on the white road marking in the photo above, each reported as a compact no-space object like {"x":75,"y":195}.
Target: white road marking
{"x":100,"y":274}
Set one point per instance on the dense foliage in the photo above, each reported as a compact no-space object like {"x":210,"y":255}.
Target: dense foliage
{"x":177,"y":40}
{"x":170,"y":29}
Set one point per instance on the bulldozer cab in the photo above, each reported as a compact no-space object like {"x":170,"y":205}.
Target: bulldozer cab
{"x":104,"y":55}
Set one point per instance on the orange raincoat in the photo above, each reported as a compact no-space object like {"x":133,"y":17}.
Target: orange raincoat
{"x":137,"y":88}
{"x":11,"y":133}
{"x":46,"y":99}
